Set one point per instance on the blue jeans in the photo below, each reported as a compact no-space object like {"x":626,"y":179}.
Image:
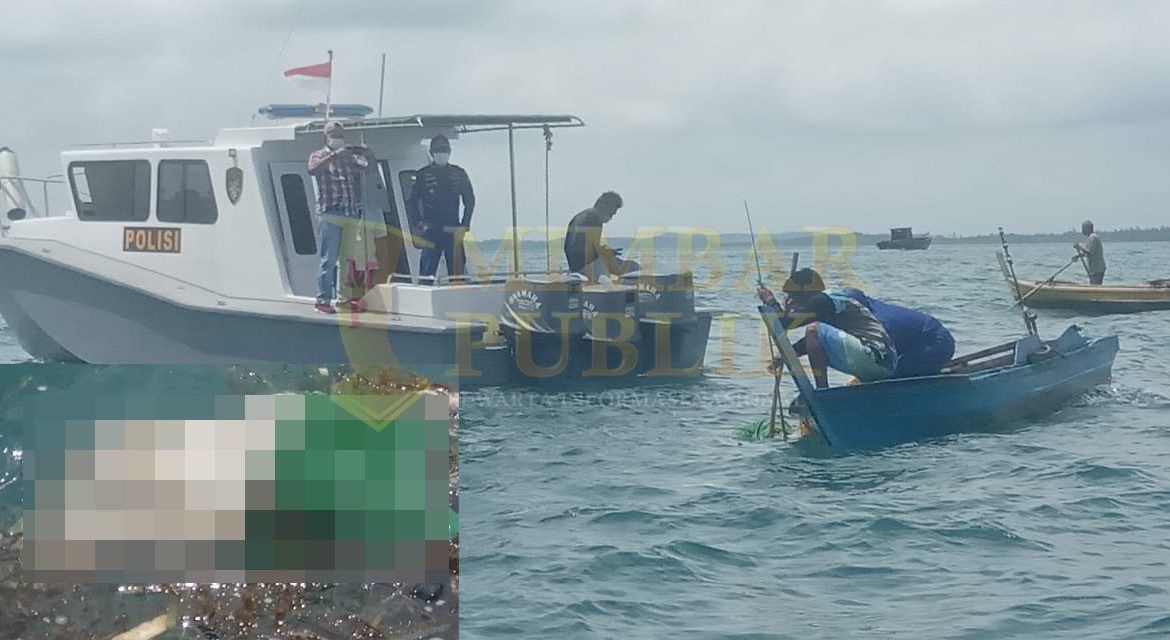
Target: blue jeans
{"x":444,"y":247}
{"x":328,"y":248}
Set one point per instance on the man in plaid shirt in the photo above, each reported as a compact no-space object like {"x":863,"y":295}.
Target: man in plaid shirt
{"x":338,"y":170}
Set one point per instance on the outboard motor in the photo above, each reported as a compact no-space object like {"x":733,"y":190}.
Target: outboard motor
{"x":665,"y":310}
{"x":612,"y":331}
{"x":14,"y":200}
{"x":541,"y":321}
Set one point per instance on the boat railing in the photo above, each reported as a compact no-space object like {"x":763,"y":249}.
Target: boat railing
{"x":44,"y":182}
{"x":496,"y":279}
{"x":143,"y":143}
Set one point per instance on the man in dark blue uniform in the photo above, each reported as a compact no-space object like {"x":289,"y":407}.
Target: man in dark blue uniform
{"x":434,"y":199}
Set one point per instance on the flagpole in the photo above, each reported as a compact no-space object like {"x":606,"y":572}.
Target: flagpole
{"x":329,"y":91}
{"x":382,"y":86}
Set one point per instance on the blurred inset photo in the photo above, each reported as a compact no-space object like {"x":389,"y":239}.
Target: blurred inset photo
{"x":227,"y":502}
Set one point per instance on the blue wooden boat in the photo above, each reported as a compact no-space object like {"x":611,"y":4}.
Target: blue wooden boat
{"x":1020,"y":379}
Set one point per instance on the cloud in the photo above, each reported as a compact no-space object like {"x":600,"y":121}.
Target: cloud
{"x":381,"y":15}
{"x":919,"y":109}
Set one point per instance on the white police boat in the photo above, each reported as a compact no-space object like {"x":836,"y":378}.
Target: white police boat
{"x":206,"y":253}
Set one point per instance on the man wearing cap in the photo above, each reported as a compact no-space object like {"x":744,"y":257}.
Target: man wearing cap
{"x":840,"y":333}
{"x":338,"y":171}
{"x":434,"y":200}
{"x":1092,"y":253}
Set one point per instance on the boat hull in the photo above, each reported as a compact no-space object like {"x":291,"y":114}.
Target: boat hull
{"x":907,"y":244}
{"x":62,"y":314}
{"x":663,"y":351}
{"x":1103,"y":299}
{"x":894,"y":411}
{"x":89,"y":319}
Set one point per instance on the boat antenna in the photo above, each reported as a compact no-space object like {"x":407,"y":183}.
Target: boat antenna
{"x":547,"y":227}
{"x":276,"y":63}
{"x":512,"y":178}
{"x":329,"y":91}
{"x":381,"y":86}
{"x":771,"y":347}
{"x":1029,"y":317}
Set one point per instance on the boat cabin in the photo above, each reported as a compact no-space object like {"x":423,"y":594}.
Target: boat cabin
{"x":236,"y":215}
{"x":206,"y":252}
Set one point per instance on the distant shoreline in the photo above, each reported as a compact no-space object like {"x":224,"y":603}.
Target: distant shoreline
{"x":1159,"y":234}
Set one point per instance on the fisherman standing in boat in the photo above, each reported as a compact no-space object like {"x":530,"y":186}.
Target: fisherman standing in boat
{"x":1092,"y":252}
{"x":841,"y":332}
{"x":585,"y":251}
{"x":338,"y":170}
{"x":434,"y":199}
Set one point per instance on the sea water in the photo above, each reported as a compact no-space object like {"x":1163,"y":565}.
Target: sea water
{"x":641,"y":513}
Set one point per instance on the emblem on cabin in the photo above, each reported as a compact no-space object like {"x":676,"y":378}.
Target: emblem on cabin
{"x":648,"y":292}
{"x":524,"y":301}
{"x":235,"y":184}
{"x":588,"y":310}
{"x":152,"y":239}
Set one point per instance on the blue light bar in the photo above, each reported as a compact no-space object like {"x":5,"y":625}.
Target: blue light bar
{"x":275,"y":111}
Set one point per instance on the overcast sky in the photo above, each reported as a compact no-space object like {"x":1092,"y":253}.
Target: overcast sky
{"x":951,"y":116}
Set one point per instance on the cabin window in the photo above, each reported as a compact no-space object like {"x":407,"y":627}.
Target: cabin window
{"x":390,"y":207}
{"x":396,"y":247}
{"x":111,"y":190}
{"x":185,"y":193}
{"x":300,"y":217}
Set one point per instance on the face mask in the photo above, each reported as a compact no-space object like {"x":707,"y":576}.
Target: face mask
{"x":335,"y":143}
{"x":441,"y":158}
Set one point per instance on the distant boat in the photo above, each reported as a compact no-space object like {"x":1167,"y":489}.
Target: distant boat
{"x":902,"y":238}
{"x":1092,"y":298}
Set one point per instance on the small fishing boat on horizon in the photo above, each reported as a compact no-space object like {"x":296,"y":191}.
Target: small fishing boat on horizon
{"x":1092,"y":298}
{"x":903,"y":238}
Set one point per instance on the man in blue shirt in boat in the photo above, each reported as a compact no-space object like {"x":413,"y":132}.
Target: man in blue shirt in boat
{"x":841,"y":332}
{"x":923,"y":344}
{"x":1092,"y":253}
{"x":438,"y":189}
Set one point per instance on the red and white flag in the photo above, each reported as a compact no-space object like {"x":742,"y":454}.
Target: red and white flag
{"x":315,"y":76}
